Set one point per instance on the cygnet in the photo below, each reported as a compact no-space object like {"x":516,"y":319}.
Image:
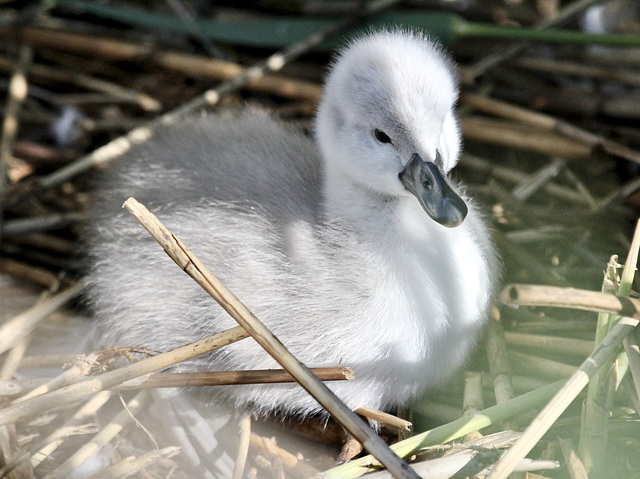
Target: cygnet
{"x":355,"y":248}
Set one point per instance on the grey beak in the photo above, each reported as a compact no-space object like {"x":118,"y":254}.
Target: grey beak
{"x":429,"y":184}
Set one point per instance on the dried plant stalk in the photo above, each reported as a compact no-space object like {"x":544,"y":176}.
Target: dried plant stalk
{"x":190,"y":264}
{"x":110,"y":379}
{"x":534,"y":295}
{"x":550,"y":344}
{"x":219,"y":378}
{"x":384,"y":418}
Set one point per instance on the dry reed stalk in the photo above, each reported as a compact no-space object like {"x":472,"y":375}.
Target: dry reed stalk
{"x":291,"y":463}
{"x":516,"y":176}
{"x":243,"y":447}
{"x":472,"y":400}
{"x":575,"y":69}
{"x":218,"y":378}
{"x":384,"y":418}
{"x":102,"y":438}
{"x":576,"y":383}
{"x":133,"y":465}
{"x":550,"y":344}
{"x":107,"y":380}
{"x":514,"y":135}
{"x":192,"y":65}
{"x":573,"y":298}
{"x":548,"y":123}
{"x":499,"y":360}
{"x":13,"y":330}
{"x":540,"y":366}
{"x":191,"y":265}
{"x":48,"y":73}
{"x":33,"y":274}
{"x":82,"y":367}
{"x":534,"y":182}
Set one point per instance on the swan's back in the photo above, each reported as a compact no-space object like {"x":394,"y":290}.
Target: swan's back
{"x":247,"y":159}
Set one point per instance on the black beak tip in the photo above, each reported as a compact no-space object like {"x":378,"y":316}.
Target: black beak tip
{"x":453,"y":213}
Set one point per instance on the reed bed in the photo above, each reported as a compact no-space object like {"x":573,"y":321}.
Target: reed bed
{"x":552,"y":151}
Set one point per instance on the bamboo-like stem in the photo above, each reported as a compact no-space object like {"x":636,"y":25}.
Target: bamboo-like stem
{"x":592,"y":447}
{"x":472,"y":400}
{"x":499,"y":362}
{"x":39,"y":276}
{"x":384,"y":418}
{"x":595,"y":425}
{"x":563,"y":398}
{"x":219,"y":378}
{"x":551,"y":344}
{"x":191,"y":265}
{"x":110,"y":379}
{"x":534,"y":295}
{"x":13,"y":330}
{"x":102,"y":438}
{"x":540,"y":366}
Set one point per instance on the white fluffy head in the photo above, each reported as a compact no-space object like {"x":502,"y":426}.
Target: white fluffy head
{"x":399,"y":83}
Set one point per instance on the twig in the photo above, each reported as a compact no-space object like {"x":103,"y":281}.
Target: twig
{"x":384,"y":418}
{"x":522,"y":136}
{"x":218,"y":378}
{"x":572,"y":461}
{"x":212,"y":285}
{"x":537,"y":180}
{"x":16,"y":328}
{"x":548,"y":123}
{"x":563,"y":398}
{"x":534,"y":295}
{"x":110,"y":379}
{"x":499,"y":361}
{"x":23,"y":226}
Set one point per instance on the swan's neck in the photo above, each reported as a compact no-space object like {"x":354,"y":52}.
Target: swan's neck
{"x":356,"y":203}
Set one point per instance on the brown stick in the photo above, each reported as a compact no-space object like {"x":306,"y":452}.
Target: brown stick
{"x":193,"y":65}
{"x":110,"y":379}
{"x":220,"y":378}
{"x":534,"y":295}
{"x":191,"y":265}
{"x":548,"y":123}
{"x":522,"y":136}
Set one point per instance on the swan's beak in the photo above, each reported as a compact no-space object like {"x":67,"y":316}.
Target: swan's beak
{"x":429,"y":184}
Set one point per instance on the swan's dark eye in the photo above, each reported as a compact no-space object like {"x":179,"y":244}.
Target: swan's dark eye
{"x":381,"y":136}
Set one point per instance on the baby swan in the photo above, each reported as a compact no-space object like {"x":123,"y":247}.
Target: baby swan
{"x":355,"y":249}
